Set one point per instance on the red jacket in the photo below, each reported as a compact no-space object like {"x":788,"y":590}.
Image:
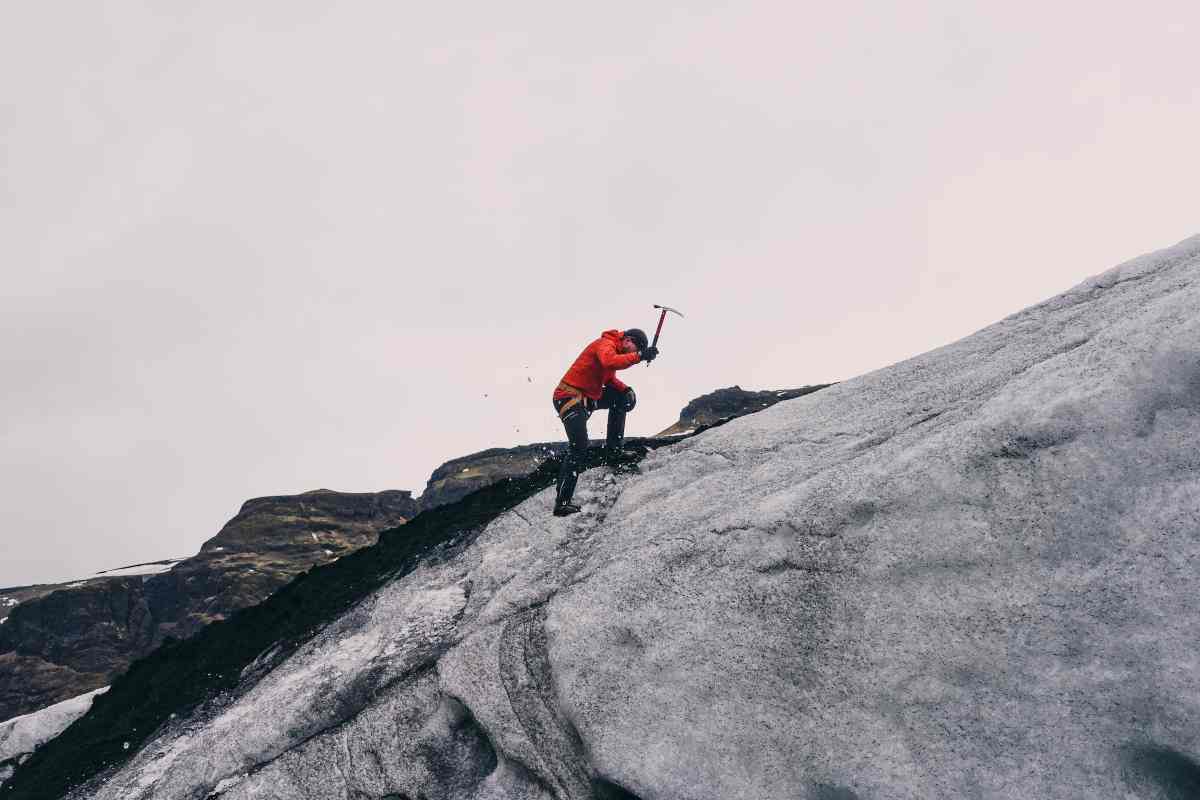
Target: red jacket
{"x":597,"y":365}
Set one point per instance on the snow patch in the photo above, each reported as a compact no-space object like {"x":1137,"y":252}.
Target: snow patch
{"x":153,"y":568}
{"x":22,"y":735}
{"x":9,"y":601}
{"x":315,"y":539}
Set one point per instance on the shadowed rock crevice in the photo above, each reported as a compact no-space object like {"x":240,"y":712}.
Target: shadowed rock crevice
{"x":1160,"y":772}
{"x":1169,"y":382}
{"x":828,"y":791}
{"x":607,"y":790}
{"x":832,"y":792}
{"x":1025,"y":445}
{"x":464,"y":761}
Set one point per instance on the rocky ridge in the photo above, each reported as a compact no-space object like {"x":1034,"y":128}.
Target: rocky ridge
{"x":58,"y":642}
{"x":456,"y":479}
{"x":731,"y":403}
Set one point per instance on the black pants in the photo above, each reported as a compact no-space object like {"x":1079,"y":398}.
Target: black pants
{"x":575,"y":423}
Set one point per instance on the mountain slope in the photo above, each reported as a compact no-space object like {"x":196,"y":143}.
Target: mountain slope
{"x":71,"y":638}
{"x":968,"y":574}
{"x":58,"y":642}
{"x":202,"y":675}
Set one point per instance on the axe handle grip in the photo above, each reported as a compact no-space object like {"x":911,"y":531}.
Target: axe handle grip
{"x":661,"y":319}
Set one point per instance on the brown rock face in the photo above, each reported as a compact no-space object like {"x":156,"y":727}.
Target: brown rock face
{"x":270,"y":541}
{"x":61,"y":641}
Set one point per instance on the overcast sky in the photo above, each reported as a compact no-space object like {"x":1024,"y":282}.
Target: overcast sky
{"x":260,"y":248}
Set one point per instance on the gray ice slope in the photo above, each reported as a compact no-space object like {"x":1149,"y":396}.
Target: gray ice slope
{"x":20,"y":736}
{"x":968,"y":575}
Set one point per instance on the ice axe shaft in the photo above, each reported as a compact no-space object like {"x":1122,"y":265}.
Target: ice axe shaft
{"x":661,"y":319}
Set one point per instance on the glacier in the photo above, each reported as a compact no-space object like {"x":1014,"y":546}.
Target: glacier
{"x":968,"y":574}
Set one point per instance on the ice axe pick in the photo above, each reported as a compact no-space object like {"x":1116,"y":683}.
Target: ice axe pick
{"x":661,"y":319}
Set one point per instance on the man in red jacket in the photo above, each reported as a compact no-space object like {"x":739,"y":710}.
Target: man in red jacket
{"x":591,"y":383}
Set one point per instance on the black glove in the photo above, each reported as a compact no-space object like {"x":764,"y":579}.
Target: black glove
{"x":630,"y":400}
{"x":649,"y":354}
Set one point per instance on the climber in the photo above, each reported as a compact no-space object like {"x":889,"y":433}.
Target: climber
{"x":591,"y":383}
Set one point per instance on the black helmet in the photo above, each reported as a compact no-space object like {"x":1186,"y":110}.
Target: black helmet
{"x":639,"y":338}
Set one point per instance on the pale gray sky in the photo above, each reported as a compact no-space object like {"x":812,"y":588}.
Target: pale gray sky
{"x":259,"y":248}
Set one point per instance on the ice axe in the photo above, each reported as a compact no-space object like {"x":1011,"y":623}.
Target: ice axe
{"x":661,"y":319}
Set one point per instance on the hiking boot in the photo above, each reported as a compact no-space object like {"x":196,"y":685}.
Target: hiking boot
{"x":566,"y":509}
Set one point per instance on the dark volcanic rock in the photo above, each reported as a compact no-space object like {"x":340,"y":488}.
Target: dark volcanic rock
{"x":271,"y":540}
{"x":61,"y":641}
{"x":456,"y":479}
{"x":71,"y":641}
{"x":725,"y":404}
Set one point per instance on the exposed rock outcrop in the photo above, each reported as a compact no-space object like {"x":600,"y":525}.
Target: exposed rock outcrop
{"x":61,"y":641}
{"x":456,"y":479}
{"x":727,"y":404}
{"x":968,"y":574}
{"x":270,"y":541}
